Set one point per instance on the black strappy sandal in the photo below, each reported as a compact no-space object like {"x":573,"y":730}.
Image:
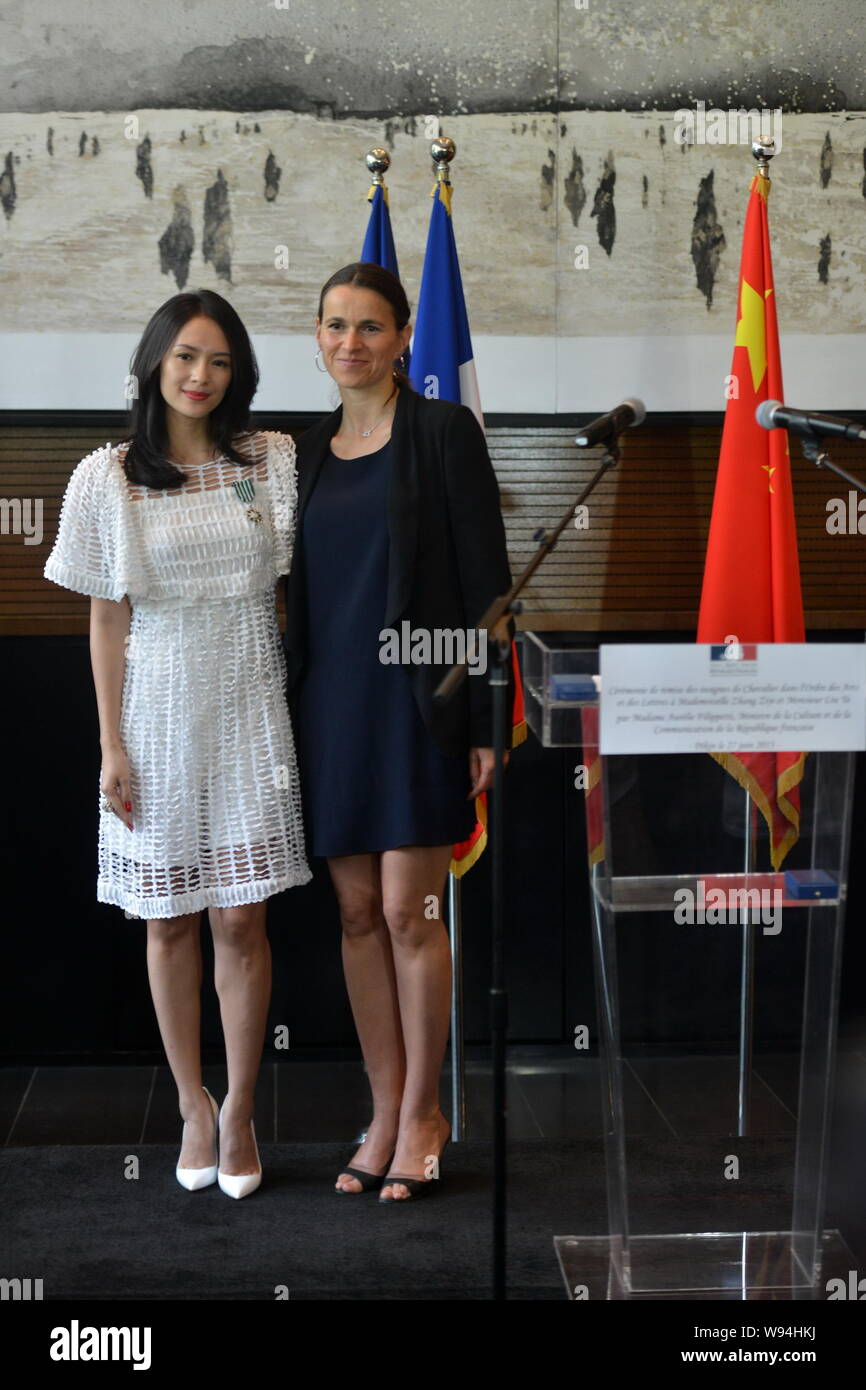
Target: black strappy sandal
{"x":369,"y":1181}
{"x":417,"y":1187}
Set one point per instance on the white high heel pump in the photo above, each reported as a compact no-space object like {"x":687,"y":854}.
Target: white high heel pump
{"x":241,"y":1184}
{"x":194,"y":1178}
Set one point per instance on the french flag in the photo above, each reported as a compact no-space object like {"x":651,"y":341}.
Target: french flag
{"x":443,"y":368}
{"x":378,"y":245}
{"x":442,"y":363}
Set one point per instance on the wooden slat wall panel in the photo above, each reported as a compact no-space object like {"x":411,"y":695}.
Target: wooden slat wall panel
{"x":36,"y":462}
{"x":640,"y":563}
{"x":638,"y":566}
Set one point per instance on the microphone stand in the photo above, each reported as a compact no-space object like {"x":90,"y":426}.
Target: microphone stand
{"x":813,"y":449}
{"x":495,"y":622}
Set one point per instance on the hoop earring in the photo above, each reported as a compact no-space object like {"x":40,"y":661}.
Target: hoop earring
{"x":316,"y":360}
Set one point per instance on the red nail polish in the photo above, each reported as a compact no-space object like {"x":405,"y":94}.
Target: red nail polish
{"x":127,"y":805}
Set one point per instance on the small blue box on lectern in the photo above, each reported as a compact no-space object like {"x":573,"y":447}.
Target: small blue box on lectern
{"x":810,"y":883}
{"x":570,"y":685}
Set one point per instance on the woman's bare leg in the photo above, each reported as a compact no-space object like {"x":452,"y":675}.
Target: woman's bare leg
{"x":369,"y":969}
{"x":413,"y":880}
{"x":242,"y":975}
{"x":174,"y":968}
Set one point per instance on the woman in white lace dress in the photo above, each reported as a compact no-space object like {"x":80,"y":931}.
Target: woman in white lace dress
{"x":179,"y":535}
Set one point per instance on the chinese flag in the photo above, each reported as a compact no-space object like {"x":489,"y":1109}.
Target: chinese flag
{"x":594,"y":804}
{"x":469,"y":851}
{"x":751,"y":589}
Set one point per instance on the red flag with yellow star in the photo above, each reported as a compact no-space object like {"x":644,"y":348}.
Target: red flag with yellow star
{"x":594,"y":802}
{"x":751,"y":588}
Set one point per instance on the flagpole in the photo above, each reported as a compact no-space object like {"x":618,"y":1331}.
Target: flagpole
{"x":458,"y":1072}
{"x":747,"y":980}
{"x":442,"y":151}
{"x":443,"y":367}
{"x":763,"y":150}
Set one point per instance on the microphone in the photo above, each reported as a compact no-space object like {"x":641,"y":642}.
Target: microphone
{"x":773,"y":415}
{"x":622,"y":417}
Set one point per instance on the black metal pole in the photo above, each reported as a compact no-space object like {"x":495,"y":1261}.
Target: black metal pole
{"x":814,"y":451}
{"x":823,"y":460}
{"x":495,"y":624}
{"x":498,"y":678}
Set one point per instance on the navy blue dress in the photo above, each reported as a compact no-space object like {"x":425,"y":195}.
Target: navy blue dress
{"x":373,"y":778}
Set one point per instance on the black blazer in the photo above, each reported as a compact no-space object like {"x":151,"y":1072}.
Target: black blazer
{"x":447,"y":558}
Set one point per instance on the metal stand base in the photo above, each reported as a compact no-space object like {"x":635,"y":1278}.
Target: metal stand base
{"x":747,"y":1265}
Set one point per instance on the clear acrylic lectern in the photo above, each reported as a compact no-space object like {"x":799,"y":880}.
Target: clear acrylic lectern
{"x":717,"y":987}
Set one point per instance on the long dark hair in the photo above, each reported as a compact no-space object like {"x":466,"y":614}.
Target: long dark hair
{"x":145,"y":460}
{"x":366,"y":275}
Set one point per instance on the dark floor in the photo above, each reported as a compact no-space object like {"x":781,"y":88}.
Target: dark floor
{"x":553,"y":1094}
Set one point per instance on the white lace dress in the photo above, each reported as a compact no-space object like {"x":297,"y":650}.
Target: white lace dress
{"x":216,"y":805}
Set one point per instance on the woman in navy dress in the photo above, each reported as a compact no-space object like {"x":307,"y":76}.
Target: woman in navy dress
{"x":398,"y":518}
